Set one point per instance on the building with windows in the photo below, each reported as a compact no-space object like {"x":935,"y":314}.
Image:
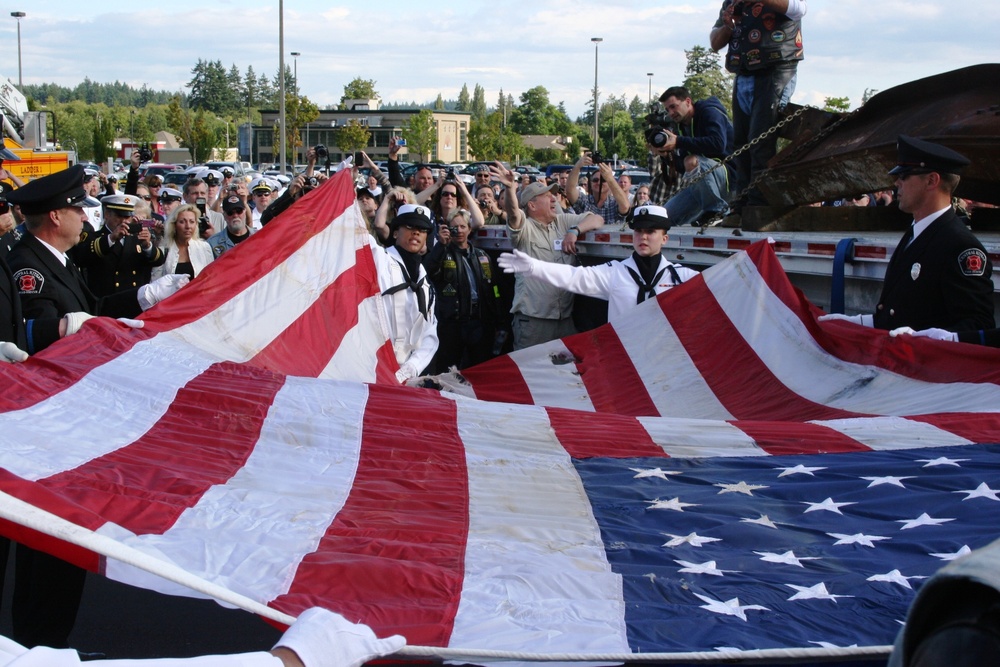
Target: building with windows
{"x":258,"y":144}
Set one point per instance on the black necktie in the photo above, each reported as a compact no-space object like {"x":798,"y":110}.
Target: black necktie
{"x":417,"y":287}
{"x":646,"y":290}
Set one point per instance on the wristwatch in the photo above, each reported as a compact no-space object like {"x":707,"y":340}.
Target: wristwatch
{"x":574,"y":229}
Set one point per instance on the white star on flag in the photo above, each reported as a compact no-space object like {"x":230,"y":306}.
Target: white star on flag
{"x":894,"y":577}
{"x":642,"y":473}
{"x":707,"y":567}
{"x":798,"y":470}
{"x":981,"y":491}
{"x":941,"y":461}
{"x":729,"y":607}
{"x":828,"y":505}
{"x":817,"y":592}
{"x":764,"y":520}
{"x":965,"y":550}
{"x":694,"y":539}
{"x":672,"y":504}
{"x":787,"y":558}
{"x":742,"y":487}
{"x":895,"y":481}
{"x":858,"y":538}
{"x":922,"y":520}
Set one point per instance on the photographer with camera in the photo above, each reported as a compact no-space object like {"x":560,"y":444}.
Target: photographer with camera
{"x":450,"y":193}
{"x":700,"y":138}
{"x":467,"y":301}
{"x":492,"y":213}
{"x":196,"y":194}
{"x":121,"y":254}
{"x":606,"y":198}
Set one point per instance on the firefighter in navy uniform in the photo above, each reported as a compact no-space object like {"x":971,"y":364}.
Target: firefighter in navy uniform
{"x":121,"y":255}
{"x":47,"y":590}
{"x":467,"y":296}
{"x":939,"y":274}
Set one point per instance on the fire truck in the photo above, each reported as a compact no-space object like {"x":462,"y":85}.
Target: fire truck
{"x":25,"y":135}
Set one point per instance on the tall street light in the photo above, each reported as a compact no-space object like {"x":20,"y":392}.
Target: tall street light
{"x":19,"y":16}
{"x":597,"y":41}
{"x":281,"y":79}
{"x":649,"y":98}
{"x":295,"y":74}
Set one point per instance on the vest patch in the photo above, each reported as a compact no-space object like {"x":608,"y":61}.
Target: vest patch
{"x":973,"y":262}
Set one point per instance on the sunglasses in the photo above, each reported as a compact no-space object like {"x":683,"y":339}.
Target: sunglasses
{"x":448,"y":193}
{"x":146,"y":197}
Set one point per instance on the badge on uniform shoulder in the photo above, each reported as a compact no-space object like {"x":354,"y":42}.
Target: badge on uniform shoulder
{"x":915,"y":271}
{"x":973,"y":262}
{"x":29,"y":281}
{"x":217,"y":251}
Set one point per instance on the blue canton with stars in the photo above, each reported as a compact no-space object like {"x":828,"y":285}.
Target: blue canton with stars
{"x":786,"y":551}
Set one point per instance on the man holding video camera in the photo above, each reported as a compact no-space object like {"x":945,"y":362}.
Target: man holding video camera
{"x":701,"y":137}
{"x":210,"y":222}
{"x":121,"y":255}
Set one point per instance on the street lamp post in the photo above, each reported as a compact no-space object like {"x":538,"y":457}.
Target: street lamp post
{"x":597,"y":41}
{"x":295,"y":73}
{"x":281,"y":79}
{"x":19,"y":16}
{"x":649,"y":98}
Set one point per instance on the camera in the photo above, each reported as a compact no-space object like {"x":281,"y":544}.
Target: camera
{"x":453,"y":230}
{"x":321,"y":152}
{"x":134,"y":228}
{"x":400,"y":142}
{"x":449,"y":176}
{"x":658,"y":123}
{"x":145,"y":155}
{"x":312,"y":182}
{"x":597,"y":158}
{"x":200,"y":203}
{"x":203,"y":225}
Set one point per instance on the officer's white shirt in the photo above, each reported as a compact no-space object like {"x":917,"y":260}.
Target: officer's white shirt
{"x":414,"y":338}
{"x":610,"y":281}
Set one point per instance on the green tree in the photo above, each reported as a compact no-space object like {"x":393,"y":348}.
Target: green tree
{"x":478,"y":107}
{"x":535,"y":114}
{"x":353,"y":136}
{"x":464,"y":100}
{"x":420,"y":132}
{"x":439,"y":103}
{"x":192,"y":129}
{"x":298,"y":112}
{"x":359,"y":89}
{"x":837,"y":104}
{"x":704,"y":77}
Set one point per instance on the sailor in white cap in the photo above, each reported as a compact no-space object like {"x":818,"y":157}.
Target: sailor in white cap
{"x":624,"y":283}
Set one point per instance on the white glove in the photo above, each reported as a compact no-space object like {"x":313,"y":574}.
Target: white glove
{"x":863,"y":320}
{"x":74,"y":321}
{"x":517,"y":262}
{"x":11,"y":353}
{"x":132,"y":324}
{"x":405,"y":372}
{"x":322,"y":638}
{"x":936,"y":334}
{"x":158,"y":290}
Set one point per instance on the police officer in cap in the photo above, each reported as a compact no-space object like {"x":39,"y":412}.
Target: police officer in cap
{"x":939,"y":274}
{"x":623,"y":283}
{"x":121,"y":255}
{"x":407,"y":296}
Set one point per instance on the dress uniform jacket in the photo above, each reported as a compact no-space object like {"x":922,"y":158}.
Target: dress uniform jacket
{"x":116,"y":266}
{"x":31,"y":336}
{"x":940,"y":280}
{"x":612,"y":281}
{"x":413,"y":334}
{"x":50,"y":290}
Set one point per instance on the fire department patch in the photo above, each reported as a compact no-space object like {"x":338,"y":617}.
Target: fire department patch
{"x":29,"y":281}
{"x":973,"y":262}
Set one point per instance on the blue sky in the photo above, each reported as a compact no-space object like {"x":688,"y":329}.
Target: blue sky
{"x":415,"y":50}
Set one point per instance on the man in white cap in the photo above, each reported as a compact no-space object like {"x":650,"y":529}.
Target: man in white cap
{"x":121,"y":255}
{"x":260,"y":194}
{"x":624,"y":283}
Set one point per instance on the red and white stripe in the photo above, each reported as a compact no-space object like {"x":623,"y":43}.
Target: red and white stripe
{"x":206,"y":440}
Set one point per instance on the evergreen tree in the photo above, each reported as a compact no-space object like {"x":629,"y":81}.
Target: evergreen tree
{"x":420,"y":132}
{"x":478,"y":107}
{"x":439,"y":103}
{"x":704,"y":77}
{"x":464,"y":101}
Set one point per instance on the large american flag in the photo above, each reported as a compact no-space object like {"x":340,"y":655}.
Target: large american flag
{"x":718,"y":473}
